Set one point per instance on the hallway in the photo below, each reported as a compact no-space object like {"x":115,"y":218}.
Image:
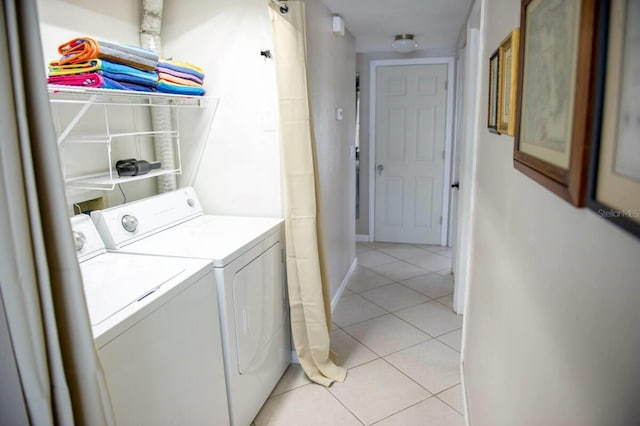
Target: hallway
{"x":396,"y":333}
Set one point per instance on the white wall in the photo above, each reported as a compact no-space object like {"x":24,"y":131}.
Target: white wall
{"x":362,"y":66}
{"x":551,"y":329}
{"x":240,"y":166}
{"x":332,"y":83}
{"x":63,"y":20}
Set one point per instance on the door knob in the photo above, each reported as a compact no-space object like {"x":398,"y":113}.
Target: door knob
{"x":380,"y":169}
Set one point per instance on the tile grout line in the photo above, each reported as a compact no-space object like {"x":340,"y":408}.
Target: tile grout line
{"x":386,"y":285}
{"x":341,"y":403}
{"x":427,"y":272}
{"x":359,"y":293}
{"x":400,"y":411}
{"x":433,"y":395}
{"x":445,"y":402}
{"x":409,"y":377}
{"x":429,"y":338}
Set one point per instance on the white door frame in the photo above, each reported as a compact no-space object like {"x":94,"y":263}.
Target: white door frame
{"x":446,"y":181}
{"x":471,"y":110}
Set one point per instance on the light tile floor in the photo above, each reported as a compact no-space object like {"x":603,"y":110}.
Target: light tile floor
{"x":395,"y":331}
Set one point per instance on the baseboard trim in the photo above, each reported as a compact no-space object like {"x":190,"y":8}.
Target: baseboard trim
{"x":345,"y":281}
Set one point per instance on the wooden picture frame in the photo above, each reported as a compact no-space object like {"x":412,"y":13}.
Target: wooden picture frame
{"x":494,"y":79}
{"x":555,"y":96}
{"x":614,"y":179}
{"x":508,"y":84}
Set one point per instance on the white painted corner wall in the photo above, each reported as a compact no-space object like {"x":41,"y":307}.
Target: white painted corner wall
{"x":332,"y":83}
{"x":239,"y":171}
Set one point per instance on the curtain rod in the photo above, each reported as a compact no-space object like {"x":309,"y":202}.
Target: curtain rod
{"x":283,"y":6}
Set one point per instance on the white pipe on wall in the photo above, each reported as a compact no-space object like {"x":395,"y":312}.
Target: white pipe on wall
{"x":160,"y":116}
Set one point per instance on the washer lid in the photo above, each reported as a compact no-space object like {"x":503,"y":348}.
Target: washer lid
{"x":219,"y":238}
{"x":112,"y":282}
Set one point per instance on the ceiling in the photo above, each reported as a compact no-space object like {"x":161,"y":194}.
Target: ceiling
{"x":374,"y":23}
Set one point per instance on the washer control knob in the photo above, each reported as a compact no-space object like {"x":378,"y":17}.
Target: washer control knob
{"x":190,"y":202}
{"x":129,"y":223}
{"x":79,"y":240}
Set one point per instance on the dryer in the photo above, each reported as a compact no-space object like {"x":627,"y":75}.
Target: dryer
{"x":155,"y":324}
{"x":248,"y":265}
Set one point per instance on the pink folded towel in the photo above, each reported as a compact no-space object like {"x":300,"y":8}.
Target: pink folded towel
{"x":84,"y":80}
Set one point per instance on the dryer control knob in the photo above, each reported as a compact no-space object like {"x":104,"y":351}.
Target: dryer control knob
{"x":129,"y":223}
{"x":79,"y":240}
{"x":190,"y":202}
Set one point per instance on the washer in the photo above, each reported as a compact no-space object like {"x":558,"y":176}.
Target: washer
{"x":155,"y":324}
{"x":248,"y":257}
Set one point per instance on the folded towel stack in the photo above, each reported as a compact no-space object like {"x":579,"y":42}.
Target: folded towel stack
{"x":179,"y":78}
{"x":118,"y":66}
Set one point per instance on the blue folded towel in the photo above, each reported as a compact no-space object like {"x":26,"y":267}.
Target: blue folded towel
{"x":127,"y":78}
{"x":179,"y":89}
{"x":109,"y":83}
{"x":125,"y":73}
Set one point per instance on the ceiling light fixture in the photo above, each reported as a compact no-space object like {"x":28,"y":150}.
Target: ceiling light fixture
{"x":404,"y":43}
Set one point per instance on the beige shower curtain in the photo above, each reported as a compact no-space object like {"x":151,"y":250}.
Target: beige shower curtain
{"x":57,"y":377}
{"x":308,"y":290}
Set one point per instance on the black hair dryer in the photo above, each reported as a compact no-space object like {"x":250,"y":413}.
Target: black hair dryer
{"x":133,"y":167}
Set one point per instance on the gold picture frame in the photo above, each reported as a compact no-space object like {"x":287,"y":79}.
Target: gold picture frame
{"x":494,"y":80}
{"x":508,"y":85}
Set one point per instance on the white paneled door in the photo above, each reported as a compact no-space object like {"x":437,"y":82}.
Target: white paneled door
{"x":410,"y":129}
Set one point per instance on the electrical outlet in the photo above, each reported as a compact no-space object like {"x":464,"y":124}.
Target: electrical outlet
{"x":88,"y":206}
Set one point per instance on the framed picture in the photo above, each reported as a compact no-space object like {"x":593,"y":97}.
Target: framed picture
{"x":614,"y":179}
{"x":508,"y":84}
{"x":555,"y":94}
{"x":492,"y":107}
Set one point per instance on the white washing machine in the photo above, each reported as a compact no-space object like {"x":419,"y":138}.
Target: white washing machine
{"x":155,"y":324}
{"x":248,"y":257}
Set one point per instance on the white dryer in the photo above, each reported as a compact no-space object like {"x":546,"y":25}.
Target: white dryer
{"x":248,"y":257}
{"x":155,"y":324}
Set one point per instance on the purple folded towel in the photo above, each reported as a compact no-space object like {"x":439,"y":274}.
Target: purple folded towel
{"x":180,"y":74}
